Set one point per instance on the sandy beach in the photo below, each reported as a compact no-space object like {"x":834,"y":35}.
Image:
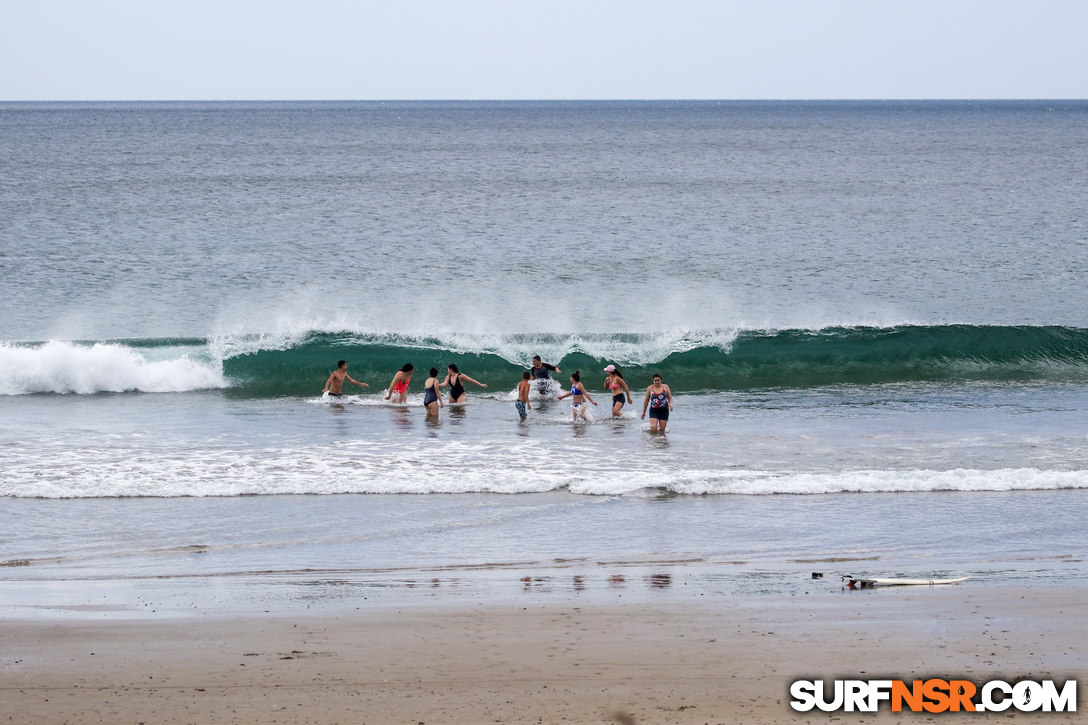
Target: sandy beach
{"x":718,"y":661}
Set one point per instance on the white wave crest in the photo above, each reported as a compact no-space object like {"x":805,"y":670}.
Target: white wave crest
{"x":64,"y":367}
{"x":517,"y":349}
{"x":623,"y":348}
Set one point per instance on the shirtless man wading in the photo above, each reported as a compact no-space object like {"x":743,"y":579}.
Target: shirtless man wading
{"x":335,"y":384}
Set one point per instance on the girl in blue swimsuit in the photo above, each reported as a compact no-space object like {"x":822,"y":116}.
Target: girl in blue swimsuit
{"x":431,"y":400}
{"x":578,"y":396}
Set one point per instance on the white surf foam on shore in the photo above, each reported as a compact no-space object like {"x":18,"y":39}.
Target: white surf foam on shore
{"x":452,"y":467}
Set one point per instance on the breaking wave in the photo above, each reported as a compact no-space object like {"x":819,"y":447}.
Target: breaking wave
{"x":708,"y":360}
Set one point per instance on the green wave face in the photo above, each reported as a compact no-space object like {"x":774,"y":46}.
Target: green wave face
{"x":257,"y":366}
{"x":750,"y":359}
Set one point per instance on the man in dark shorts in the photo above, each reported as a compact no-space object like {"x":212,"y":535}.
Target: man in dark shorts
{"x":539,"y":374}
{"x":335,"y":384}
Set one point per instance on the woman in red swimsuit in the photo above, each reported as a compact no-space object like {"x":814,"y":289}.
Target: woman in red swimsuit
{"x":398,"y":388}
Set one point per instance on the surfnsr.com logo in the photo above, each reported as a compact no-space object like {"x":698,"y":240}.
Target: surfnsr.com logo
{"x":934,"y":695}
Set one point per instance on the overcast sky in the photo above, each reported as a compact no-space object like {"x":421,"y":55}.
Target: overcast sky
{"x":550,"y":49}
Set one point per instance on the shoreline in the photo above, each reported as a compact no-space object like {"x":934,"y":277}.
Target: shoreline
{"x":722,"y":660}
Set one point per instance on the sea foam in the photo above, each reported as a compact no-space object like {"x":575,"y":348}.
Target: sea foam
{"x":65,"y":367}
{"x":391,"y":467}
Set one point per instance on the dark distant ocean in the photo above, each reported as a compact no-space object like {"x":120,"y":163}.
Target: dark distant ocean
{"x":873,"y":316}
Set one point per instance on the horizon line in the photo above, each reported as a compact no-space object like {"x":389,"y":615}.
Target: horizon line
{"x":862,"y":99}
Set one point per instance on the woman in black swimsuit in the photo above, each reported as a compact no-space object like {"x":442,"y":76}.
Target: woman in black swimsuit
{"x":457,"y":389}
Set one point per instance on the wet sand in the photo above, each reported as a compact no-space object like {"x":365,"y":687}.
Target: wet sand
{"x":714,"y":661}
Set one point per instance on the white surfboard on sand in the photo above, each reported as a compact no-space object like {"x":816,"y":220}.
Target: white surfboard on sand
{"x":860,"y":583}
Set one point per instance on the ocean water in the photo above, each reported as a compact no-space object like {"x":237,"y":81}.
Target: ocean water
{"x":872,"y":316}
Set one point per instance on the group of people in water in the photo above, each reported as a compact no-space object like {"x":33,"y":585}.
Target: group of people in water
{"x":658,"y":400}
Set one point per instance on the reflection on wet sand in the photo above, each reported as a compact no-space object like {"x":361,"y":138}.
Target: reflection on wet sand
{"x":659,"y":581}
{"x":580,"y":582}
